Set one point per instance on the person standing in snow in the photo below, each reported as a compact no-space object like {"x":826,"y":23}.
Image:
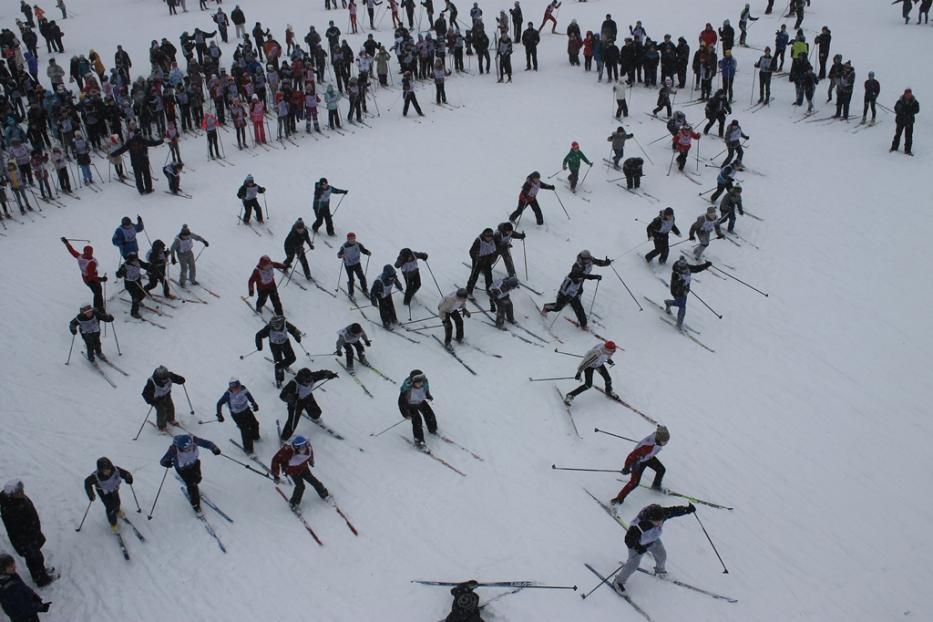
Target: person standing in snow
{"x":500,"y":301}
{"x":449,"y":310}
{"x":88,"y":320}
{"x":124,"y":236}
{"x":321,"y":205}
{"x":277,"y":331}
{"x":349,"y":338}
{"x":294,"y":247}
{"x":298,"y":395}
{"x":595,"y":359}
{"x":131,"y":273}
{"x":572,"y":160}
{"x":263,"y":280}
{"x":682,"y":143}
{"x":138,"y":146}
{"x":158,"y":394}
{"x":157,"y":258}
{"x":765,"y":66}
{"x":731,"y":203}
{"x":618,"y":139}
{"x":680,"y":285}
{"x":659,"y":230}
{"x":242,"y":406}
{"x":906,"y":108}
{"x":872,"y":90}
{"x":295,"y":459}
{"x":407,"y":262}
{"x":528,"y":197}
{"x":106,"y":480}
{"x":25,"y":530}
{"x":380,"y":295}
{"x":733,"y":139}
{"x":88,"y":266}
{"x":644,"y":456}
{"x":351,"y":253}
{"x":413,"y":398}
{"x":644,"y":536}
{"x":183,"y":253}
{"x":702,"y":228}
{"x":632,"y":169}
{"x":183,"y":455}
{"x":248,"y":193}
{"x":503,"y":239}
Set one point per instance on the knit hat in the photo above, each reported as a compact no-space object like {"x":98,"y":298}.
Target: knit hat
{"x":662,"y":435}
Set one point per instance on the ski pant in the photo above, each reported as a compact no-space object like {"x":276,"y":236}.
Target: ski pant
{"x":240,"y":136}
{"x":503,"y":310}
{"x":573,"y":177}
{"x":440,"y":94}
{"x":720,"y":188}
{"x":92,"y":343}
{"x":727,"y":86}
{"x":721,"y":119}
{"x":411,"y":100}
{"x":612,"y":72}
{"x":700,"y":248}
{"x":522,"y":204}
{"x":295,"y":410}
{"x":191,"y":475}
{"x":284,"y":356}
{"x":187,"y":269}
{"x":415,"y":412}
{"x":64,"y":180}
{"x":245,"y":420}
{"x":662,"y":106}
{"x":271,"y":293}
{"x":387,"y":311}
{"x":86,"y":174}
{"x":531,"y":58}
{"x":842,"y":104}
{"x":322,"y":216}
{"x":764,"y":86}
{"x":250,"y":206}
{"x":259,"y":132}
{"x":348,"y":352}
{"x":143,"y":178}
{"x":111,"y":503}
{"x":155,"y":278}
{"x":482,"y":265}
{"x":869,"y":105}
{"x":35,"y":562}
{"x":299,"y":491}
{"x":448,"y":321}
{"x":480,"y":56}
{"x":632,"y":181}
{"x":213,"y":150}
{"x":355,"y":270}
{"x":682,"y":159}
{"x":634,"y":559}
{"x":302,"y":259}
{"x":574,"y":302}
{"x":654,"y":464}
{"x":97,"y":291}
{"x":730,"y":218}
{"x":137,"y":293}
{"x":681,"y":303}
{"x":733,"y":151}
{"x":588,"y":380}
{"x":165,"y":411}
{"x":506,"y":254}
{"x":908,"y":130}
{"x":661,"y":249}
{"x":505,"y":67}
{"x":779,"y":54}
{"x":412,"y":285}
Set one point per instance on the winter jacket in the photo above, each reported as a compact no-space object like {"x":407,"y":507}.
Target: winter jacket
{"x":594,"y":358}
{"x":149,"y":391}
{"x":680,"y":281}
{"x":290,"y":461}
{"x":19,"y":601}
{"x":573,"y":159}
{"x":295,"y":241}
{"x":408,"y":262}
{"x":106,"y":486}
{"x":382,"y":286}
{"x":643,"y":533}
{"x":87,"y":325}
{"x":905,"y":110}
{"x":290,"y":393}
{"x":124,"y":238}
{"x":86,"y":263}
{"x":618,"y":140}
{"x":645,"y":450}
{"x":174,"y":458}
{"x":656,"y":228}
{"x":260,"y":278}
{"x":22,"y":522}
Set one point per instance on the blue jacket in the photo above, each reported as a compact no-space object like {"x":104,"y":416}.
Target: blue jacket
{"x":780,"y":41}
{"x":727,"y":67}
{"x":126,"y":246}
{"x":171,"y":456}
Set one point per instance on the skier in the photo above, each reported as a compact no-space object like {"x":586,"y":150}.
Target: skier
{"x":87,"y":264}
{"x":727,"y":69}
{"x":572,"y":160}
{"x":905,"y":109}
{"x":724,"y":181}
{"x":632,"y":169}
{"x":106,"y":480}
{"x":247,"y":194}
{"x":239,"y":400}
{"x":504,"y":57}
{"x":781,"y":39}
{"x":182,"y":251}
{"x":449,"y":309}
{"x":659,"y":230}
{"x":744,"y":18}
{"x":138,"y":146}
{"x":131,"y":273}
{"x":465,"y":607}
{"x":263,"y":280}
{"x":905,"y":9}
{"x":88,"y":320}
{"x":664,"y":97}
{"x":483,"y":254}
{"x":381,"y":296}
{"x":294,"y":246}
{"x":872,"y":90}
{"x":680,"y":285}
{"x":183,"y":455}
{"x":823,"y":42}
{"x":552,"y":6}
{"x":407,"y":262}
{"x":620,"y":90}
{"x":503,"y":236}
{"x":157,"y":258}
{"x":277,"y":331}
{"x":413,"y":398}
{"x":765,"y":66}
{"x":348,"y":339}
{"x":844,"y":88}
{"x":299,"y":397}
{"x":731,"y":203}
{"x":733,"y":139}
{"x":571,"y":289}
{"x":500,"y":302}
{"x":644,"y":456}
{"x":18,"y":600}
{"x":321,"y":205}
{"x":682,"y":143}
{"x":408,"y":94}
{"x":528,"y":197}
{"x":294,"y":459}
{"x":835,"y":71}
{"x":124,"y":236}
{"x":351,"y":253}
{"x":716,"y":110}
{"x":618,"y":139}
{"x":158,"y":394}
{"x":25,"y":531}
{"x":644,"y":536}
{"x":703,"y":226}
{"x":595,"y":359}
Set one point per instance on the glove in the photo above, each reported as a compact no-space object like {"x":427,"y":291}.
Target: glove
{"x":611,"y":363}
{"x":91,"y":496}
{"x":368,"y":343}
{"x":608,"y":261}
{"x":337,"y":352}
{"x":250,"y":293}
{"x":641,"y":550}
{"x":425,"y":257}
{"x":216,"y":451}
{"x":691,"y":509}
{"x":565,"y":167}
{"x":74,"y":331}
{"x":332,"y":374}
{"x":691,"y":238}
{"x":626,"y":470}
{"x":206,"y":243}
{"x":220,"y":417}
{"x":576,"y":376}
{"x":44,"y":607}
{"x":129,"y":479}
{"x":298,"y":338}
{"x":408,"y":417}
{"x":255,"y":408}
{"x":103,"y":279}
{"x":708,"y":264}
{"x":276,"y":479}
{"x":466,"y":313}
{"x":311,"y":246}
{"x":598,"y":277}
{"x":174,"y":261}
{"x":64,"y":240}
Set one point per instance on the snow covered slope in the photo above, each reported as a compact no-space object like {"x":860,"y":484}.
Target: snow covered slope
{"x":809,"y":418}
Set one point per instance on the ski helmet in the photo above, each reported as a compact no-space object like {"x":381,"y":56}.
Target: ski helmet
{"x":680,"y":265}
{"x":160,"y":373}
{"x":463,"y":293}
{"x":511,"y":282}
{"x":125,"y":221}
{"x":86,"y":308}
{"x":356,"y":329}
{"x":183,"y":441}
{"x":351,"y":236}
{"x":574,"y":145}
{"x":265,"y":260}
{"x":610,"y":345}
{"x":322,"y":180}
{"x":248,"y":180}
{"x":277,"y":322}
{"x":104,"y":464}
{"x":668,"y":211}
{"x":653,"y":513}
{"x":234,"y":382}
{"x":711,"y":212}
{"x":585,"y":255}
{"x":299,"y":442}
{"x":662,"y":436}
{"x":535,"y":175}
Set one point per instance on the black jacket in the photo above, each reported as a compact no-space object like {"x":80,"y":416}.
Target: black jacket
{"x":633,"y":535}
{"x":22,"y":522}
{"x":905,"y":111}
{"x":680,"y":287}
{"x":294,"y":241}
{"x":654,"y":228}
{"x":289,"y":392}
{"x":91,"y":482}
{"x":264,"y":333}
{"x":149,"y":390}
{"x":19,"y":601}
{"x":138,"y":146}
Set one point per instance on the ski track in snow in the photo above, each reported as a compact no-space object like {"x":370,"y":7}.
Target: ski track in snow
{"x":811,"y":417}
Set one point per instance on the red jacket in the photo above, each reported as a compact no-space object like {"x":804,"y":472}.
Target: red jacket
{"x":257,"y":278}
{"x":682,"y":140}
{"x":286,"y":459}
{"x":709,"y":37}
{"x":86,"y":263}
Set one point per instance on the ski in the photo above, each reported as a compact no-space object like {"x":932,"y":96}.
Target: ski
{"x":428,"y":453}
{"x":690,"y":177}
{"x":352,"y":374}
{"x":378,"y":373}
{"x":624,"y":597}
{"x":251,"y":307}
{"x":147,"y":307}
{"x":126,"y":553}
{"x":206,"y":499}
{"x":322,"y":288}
{"x":528,"y":341}
{"x":297,"y":512}
{"x":146,"y":320}
{"x":251,"y":456}
{"x":521,"y":284}
{"x":569,"y":412}
{"x":587,"y":329}
{"x":100,"y":371}
{"x":179,"y":194}
{"x":607,"y":509}
{"x":108,"y":363}
{"x":480,"y":350}
{"x":194,"y":296}
{"x":668,"y":491}
{"x":350,"y":526}
{"x":660,"y":308}
{"x":451,"y":441}
{"x":206,"y":289}
{"x":133,"y":527}
{"x":289,"y":279}
{"x":200,"y":516}
{"x":163,"y":301}
{"x":700,"y":590}
{"x":686,"y":334}
{"x":328,"y":429}
{"x":390,"y":331}
{"x":627,"y":405}
{"x":450,"y":351}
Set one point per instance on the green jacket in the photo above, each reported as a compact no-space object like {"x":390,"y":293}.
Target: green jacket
{"x":573,"y":158}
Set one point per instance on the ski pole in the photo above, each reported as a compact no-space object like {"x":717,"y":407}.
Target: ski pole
{"x":561,"y":203}
{"x":430,"y":317}
{"x":724,"y":569}
{"x":657,"y":140}
{"x":68,"y":361}
{"x":671,"y":165}
{"x":366,"y":269}
{"x":593,"y":301}
{"x":554,"y":321}
{"x":188,"y":398}
{"x":589,"y":168}
{"x":205,"y":421}
{"x":708,"y":191}
{"x":433,"y":278}
{"x":706,"y":305}
{"x":630,"y":250}
{"x":642,"y":149}
{"x":525,"y":257}
{"x":557,"y":468}
{"x":250,"y":353}
{"x":342,"y":197}
{"x":420,"y":328}
{"x":308,"y":354}
{"x":751,"y":94}
{"x":624,"y":438}
{"x":638,"y":304}
{"x":158,"y":492}
{"x":86,"y":510}
{"x":116,"y":339}
{"x":546,"y":379}
{"x":387,"y":429}
{"x":139,"y":510}
{"x":698,"y":156}
{"x":77,"y":240}
{"x":600,"y":584}
{"x":198,"y":256}
{"x":246,"y":466}
{"x":339,"y":273}
{"x":517,"y":584}
{"x":740,"y":281}
{"x":553,"y":174}
{"x":579,"y":356}
{"x":140,"y":431}
{"x":265,"y":204}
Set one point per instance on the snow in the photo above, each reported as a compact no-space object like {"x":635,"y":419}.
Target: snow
{"x":809,"y":418}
